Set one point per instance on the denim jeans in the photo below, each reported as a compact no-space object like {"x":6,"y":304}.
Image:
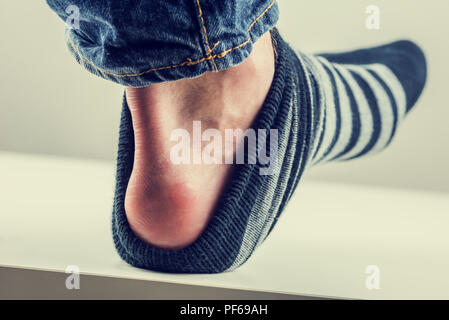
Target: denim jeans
{"x":141,"y":42}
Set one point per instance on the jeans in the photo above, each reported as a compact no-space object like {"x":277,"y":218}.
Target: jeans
{"x":141,"y":42}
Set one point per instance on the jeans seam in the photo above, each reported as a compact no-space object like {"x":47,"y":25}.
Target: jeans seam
{"x":189,"y":61}
{"x":206,"y":39}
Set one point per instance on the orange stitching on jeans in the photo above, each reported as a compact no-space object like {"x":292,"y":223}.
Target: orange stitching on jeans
{"x":189,"y":61}
{"x":209,"y":50}
{"x":215,"y":45}
{"x":222,"y":54}
{"x":262,"y":14}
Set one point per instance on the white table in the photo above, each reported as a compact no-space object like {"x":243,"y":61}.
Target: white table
{"x":56,"y":212}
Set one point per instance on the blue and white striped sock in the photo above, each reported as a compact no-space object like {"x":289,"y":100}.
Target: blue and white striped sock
{"x":363,"y":97}
{"x":325,"y":107}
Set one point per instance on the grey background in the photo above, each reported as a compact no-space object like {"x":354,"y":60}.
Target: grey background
{"x":49,"y":104}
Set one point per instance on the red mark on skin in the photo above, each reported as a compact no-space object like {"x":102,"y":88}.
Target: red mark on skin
{"x":181,"y":195}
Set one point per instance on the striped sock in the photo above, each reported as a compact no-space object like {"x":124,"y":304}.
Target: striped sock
{"x":363,"y":97}
{"x":326,"y":107}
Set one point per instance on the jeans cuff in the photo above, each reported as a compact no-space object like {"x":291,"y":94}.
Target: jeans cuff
{"x":216,"y":46}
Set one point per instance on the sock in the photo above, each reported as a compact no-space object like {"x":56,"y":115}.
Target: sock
{"x":325,"y":107}
{"x":365,"y":94}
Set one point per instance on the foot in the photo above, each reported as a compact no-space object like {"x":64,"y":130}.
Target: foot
{"x":169,"y":205}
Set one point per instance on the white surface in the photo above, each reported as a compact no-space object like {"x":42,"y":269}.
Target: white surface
{"x":56,"y":212}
